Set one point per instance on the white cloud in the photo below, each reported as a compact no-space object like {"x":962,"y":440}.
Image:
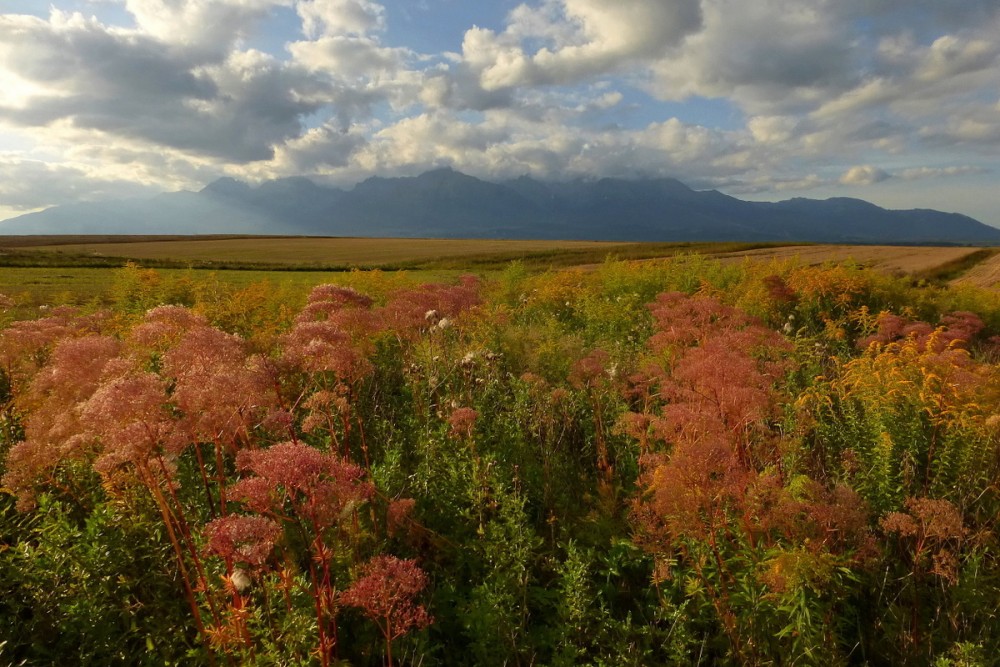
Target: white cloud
{"x":340,"y":17}
{"x":584,"y":39}
{"x":863,"y":175}
{"x":950,"y":56}
{"x":209,"y":27}
{"x":922,"y":173}
{"x":772,"y":129}
{"x":319,"y":150}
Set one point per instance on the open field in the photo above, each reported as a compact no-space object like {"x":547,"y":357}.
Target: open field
{"x":38,"y":270}
{"x":328,"y":253}
{"x":34,"y":241}
{"x":304,"y":250}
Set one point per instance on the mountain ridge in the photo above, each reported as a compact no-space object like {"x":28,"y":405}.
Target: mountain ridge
{"x":445,"y":203}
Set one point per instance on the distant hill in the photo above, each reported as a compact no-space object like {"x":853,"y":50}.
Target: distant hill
{"x":447,"y":204}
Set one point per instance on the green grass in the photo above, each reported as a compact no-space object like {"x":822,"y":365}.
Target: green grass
{"x":49,"y":270}
{"x":569,"y":257}
{"x":34,"y":286}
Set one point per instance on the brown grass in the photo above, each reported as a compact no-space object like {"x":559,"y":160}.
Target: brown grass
{"x":986,"y":274}
{"x":894,"y":259}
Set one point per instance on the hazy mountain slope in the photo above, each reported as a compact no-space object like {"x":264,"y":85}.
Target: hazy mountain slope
{"x":448,"y":204}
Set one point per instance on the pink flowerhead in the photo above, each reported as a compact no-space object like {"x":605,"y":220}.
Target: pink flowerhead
{"x":320,"y":486}
{"x":221,"y":391}
{"x":245,"y":539}
{"x":318,"y":347}
{"x":129,"y":415}
{"x":591,"y":370}
{"x":408,"y":310}
{"x":398,"y":513}
{"x":462,"y":421}
{"x":386,"y":592}
{"x":327,"y":300}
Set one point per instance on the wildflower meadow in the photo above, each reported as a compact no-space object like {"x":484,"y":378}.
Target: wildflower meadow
{"x":647,"y":463}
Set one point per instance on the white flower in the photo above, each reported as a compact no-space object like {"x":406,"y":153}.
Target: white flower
{"x":240,"y":580}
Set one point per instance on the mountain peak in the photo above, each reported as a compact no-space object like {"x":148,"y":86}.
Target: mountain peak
{"x":290,"y":185}
{"x":226,"y":186}
{"x":445,"y":175}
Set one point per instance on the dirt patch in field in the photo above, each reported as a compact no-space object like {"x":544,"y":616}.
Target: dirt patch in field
{"x":986,"y":274}
{"x":895,"y":259}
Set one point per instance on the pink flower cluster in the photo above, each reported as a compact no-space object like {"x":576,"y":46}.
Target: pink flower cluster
{"x":221,"y":391}
{"x":243,"y":539}
{"x":461,"y":422}
{"x":956,"y":329}
{"x":386,"y":592}
{"x":317,"y":486}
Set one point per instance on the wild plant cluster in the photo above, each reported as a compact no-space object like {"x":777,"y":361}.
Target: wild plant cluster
{"x":651,"y":463}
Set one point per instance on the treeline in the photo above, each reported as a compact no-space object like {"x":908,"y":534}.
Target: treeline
{"x":651,"y":463}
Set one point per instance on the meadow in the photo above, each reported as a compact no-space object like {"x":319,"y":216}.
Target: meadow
{"x":699,"y":459}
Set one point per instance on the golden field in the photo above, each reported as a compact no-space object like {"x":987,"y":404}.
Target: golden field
{"x":308,"y":250}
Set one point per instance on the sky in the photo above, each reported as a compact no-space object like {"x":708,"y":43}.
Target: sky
{"x":892,"y":101}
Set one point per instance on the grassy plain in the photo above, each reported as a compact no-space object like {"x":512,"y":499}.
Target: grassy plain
{"x":34,"y":286}
{"x":344,"y":253}
{"x":305,"y":251}
{"x":75,"y":269}
{"x":78,"y":269}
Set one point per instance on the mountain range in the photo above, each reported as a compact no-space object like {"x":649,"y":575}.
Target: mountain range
{"x":448,"y":204}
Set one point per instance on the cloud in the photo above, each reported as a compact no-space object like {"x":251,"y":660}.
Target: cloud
{"x":771,"y":57}
{"x":922,"y":173}
{"x":504,"y":143}
{"x":27,"y":185}
{"x":339,"y":17}
{"x":823,"y":95}
{"x":772,"y":129}
{"x":976,"y":128}
{"x":918,"y":16}
{"x":207,"y":28}
{"x":69,"y":56}
{"x":348,"y":58}
{"x":458,"y":87}
{"x":583,"y":39}
{"x":128,"y":84}
{"x":863,"y":175}
{"x":320,"y":149}
{"x":950,"y":56}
